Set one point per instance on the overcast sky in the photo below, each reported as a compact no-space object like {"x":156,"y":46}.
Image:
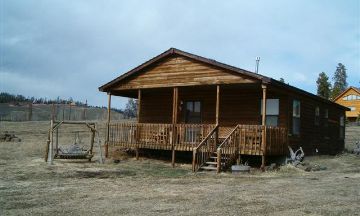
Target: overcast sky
{"x":70,"y":48}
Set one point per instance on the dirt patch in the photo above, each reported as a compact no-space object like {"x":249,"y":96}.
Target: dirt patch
{"x":29,"y":186}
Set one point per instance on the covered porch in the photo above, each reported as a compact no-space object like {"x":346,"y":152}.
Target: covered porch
{"x":226,"y":120}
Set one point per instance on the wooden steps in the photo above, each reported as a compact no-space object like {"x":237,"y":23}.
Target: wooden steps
{"x":211,"y":164}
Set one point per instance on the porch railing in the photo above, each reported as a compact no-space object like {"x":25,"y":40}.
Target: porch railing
{"x":158,"y":136}
{"x":276,"y":140}
{"x":247,"y":139}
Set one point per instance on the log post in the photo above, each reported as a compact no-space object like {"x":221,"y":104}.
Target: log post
{"x":138,"y":121}
{"x":194,"y":160}
{"x":174,"y":121}
{"x":217,"y":104}
{"x":51,"y":144}
{"x":53,"y":112}
{"x":217,"y":113}
{"x":263,"y":120}
{"x":218,"y":160}
{"x":108,"y":126}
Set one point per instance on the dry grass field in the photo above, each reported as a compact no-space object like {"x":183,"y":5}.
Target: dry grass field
{"x":29,"y":186}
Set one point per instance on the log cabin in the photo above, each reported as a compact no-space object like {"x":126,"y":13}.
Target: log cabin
{"x":351,"y":99}
{"x":219,"y":113}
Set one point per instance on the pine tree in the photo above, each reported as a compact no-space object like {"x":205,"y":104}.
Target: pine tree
{"x":130,"y":109}
{"x":282,"y":80}
{"x":323,"y":85}
{"x":339,"y":79}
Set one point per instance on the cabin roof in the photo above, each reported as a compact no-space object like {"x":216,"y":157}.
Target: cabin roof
{"x":346,"y":90}
{"x":173,"y":51}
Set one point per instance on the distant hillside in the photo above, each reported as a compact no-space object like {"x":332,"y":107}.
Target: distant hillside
{"x":42,"y":112}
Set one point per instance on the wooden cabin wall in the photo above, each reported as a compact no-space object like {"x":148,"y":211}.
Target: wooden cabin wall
{"x":239,"y":106}
{"x":325,"y":139}
{"x":207,"y":97}
{"x":156,"y":106}
{"x":181,"y":71}
{"x":242,"y":106}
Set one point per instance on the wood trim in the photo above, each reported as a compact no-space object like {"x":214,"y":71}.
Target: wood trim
{"x":174,"y":121}
{"x":139,"y":106}
{"x":263,"y":126}
{"x":108,"y":125}
{"x":175,"y":105}
{"x":217,"y":104}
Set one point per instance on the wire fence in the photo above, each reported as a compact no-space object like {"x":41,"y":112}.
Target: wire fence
{"x":44,"y":112}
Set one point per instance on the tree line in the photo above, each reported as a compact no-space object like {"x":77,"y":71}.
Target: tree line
{"x":329,"y":90}
{"x":129,"y":111}
{"x":12,"y":98}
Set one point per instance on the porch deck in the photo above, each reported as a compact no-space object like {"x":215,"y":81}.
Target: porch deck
{"x":246,"y":139}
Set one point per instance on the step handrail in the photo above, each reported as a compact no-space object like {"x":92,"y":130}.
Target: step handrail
{"x":230,"y":148}
{"x":203,"y":151}
{"x":228,"y":137}
{"x":207,"y":137}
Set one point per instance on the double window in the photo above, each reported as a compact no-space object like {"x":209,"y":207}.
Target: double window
{"x":296,"y":117}
{"x":272,"y":111}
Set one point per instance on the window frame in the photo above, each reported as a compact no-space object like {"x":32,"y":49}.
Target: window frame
{"x":186,"y":115}
{"x":326,"y":118}
{"x":342,"y":127}
{"x":296,"y":117}
{"x":270,"y":115}
{"x":317,"y":116}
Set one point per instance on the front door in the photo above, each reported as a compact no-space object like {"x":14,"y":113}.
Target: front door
{"x":193,"y":112}
{"x":192,"y":116}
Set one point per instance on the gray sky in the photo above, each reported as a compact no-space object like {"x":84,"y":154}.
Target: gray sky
{"x":70,"y":48}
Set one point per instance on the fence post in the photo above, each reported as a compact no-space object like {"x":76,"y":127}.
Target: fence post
{"x":194,"y":160}
{"x":218,"y":160}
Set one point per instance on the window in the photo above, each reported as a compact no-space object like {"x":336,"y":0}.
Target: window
{"x":272,"y":111}
{"x":326,"y":117}
{"x":193,"y":112}
{"x":296,"y":117}
{"x":342,"y":127}
{"x":317,"y":115}
{"x":351,"y":97}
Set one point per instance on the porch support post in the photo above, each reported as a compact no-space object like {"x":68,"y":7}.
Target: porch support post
{"x":139,"y":106}
{"x":138,"y":121}
{"x":217,"y":111}
{"x":174,"y":121}
{"x":217,"y":103}
{"x":263,"y":135}
{"x":108,"y":126}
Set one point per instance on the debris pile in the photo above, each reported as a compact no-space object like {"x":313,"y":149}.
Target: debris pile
{"x":357,"y":148}
{"x":308,"y":167}
{"x":296,"y":159}
{"x":9,"y":137}
{"x":120,"y":154}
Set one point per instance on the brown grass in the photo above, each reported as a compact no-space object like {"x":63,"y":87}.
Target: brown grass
{"x":152,"y":187}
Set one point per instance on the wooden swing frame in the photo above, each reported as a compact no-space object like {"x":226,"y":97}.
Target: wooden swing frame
{"x":54,"y":128}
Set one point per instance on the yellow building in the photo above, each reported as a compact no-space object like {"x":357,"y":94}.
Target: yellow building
{"x":351,"y":99}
